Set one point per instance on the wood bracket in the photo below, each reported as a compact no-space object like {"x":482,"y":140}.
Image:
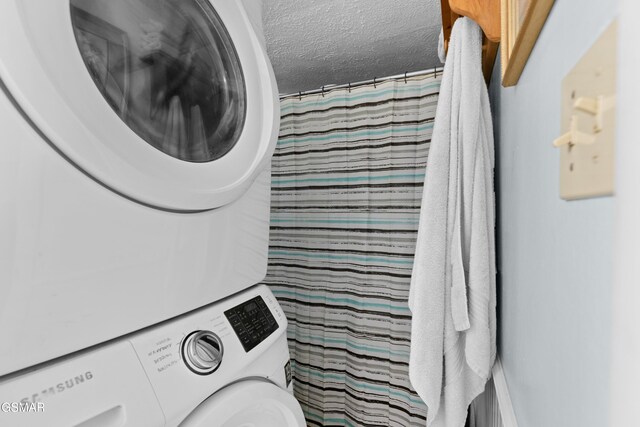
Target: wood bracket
{"x":487,"y":14}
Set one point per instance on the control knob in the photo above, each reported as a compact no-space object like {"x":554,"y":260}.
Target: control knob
{"x":202,"y":352}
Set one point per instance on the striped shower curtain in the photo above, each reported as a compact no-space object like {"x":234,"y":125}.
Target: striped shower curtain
{"x":347,"y":179}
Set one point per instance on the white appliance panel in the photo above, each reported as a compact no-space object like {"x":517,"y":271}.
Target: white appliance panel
{"x":145,"y":379}
{"x":102,"y":389}
{"x":80,"y":265}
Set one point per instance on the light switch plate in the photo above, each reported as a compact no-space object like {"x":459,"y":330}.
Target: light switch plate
{"x":588,"y":170}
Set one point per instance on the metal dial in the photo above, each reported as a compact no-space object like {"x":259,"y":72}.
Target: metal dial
{"x":202,"y":352}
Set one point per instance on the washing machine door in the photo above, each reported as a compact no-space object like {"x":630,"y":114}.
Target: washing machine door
{"x":170,"y":103}
{"x":251,"y":403}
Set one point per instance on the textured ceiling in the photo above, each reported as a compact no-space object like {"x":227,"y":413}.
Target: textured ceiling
{"x":320,"y":42}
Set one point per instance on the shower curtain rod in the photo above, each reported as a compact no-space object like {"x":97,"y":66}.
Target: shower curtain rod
{"x":328,"y":88}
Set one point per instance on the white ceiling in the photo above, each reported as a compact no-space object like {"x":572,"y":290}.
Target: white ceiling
{"x":320,"y":42}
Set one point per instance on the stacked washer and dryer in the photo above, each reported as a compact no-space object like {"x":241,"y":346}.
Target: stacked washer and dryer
{"x":135,"y":142}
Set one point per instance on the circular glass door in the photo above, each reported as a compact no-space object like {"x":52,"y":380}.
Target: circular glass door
{"x":168,"y":69}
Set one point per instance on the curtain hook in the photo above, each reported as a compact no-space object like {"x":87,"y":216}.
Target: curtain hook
{"x":405,"y":77}
{"x":374,"y":83}
{"x":349,"y":87}
{"x":435,"y":72}
{"x":323,"y":91}
{"x":300,"y":96}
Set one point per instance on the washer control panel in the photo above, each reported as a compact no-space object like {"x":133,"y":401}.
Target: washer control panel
{"x":189,"y":358}
{"x":252,"y":321}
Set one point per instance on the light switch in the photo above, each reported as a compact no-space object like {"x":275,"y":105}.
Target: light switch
{"x":588,"y":122}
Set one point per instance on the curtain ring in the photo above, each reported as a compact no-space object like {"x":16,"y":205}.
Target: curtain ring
{"x":374,"y":83}
{"x":405,"y":77}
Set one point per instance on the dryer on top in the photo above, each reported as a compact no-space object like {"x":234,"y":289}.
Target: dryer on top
{"x":169,"y":103}
{"x":135,"y":142}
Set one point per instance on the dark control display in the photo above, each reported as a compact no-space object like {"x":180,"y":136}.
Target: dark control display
{"x":252,"y":322}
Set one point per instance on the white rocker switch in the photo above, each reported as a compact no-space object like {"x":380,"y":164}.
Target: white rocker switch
{"x":588,"y":122}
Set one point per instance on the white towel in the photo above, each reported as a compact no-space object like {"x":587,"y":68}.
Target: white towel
{"x":452,"y":298}
{"x":442,"y":55}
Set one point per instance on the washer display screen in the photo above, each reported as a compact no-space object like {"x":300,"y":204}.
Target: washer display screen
{"x":169,"y":69}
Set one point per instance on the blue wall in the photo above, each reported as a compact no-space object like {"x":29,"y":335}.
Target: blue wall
{"x":555,"y":257}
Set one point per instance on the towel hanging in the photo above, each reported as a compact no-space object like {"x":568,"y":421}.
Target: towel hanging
{"x":452,"y":297}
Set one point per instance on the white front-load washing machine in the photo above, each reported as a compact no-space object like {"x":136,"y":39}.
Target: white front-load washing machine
{"x":225,"y":365}
{"x":135,"y":138}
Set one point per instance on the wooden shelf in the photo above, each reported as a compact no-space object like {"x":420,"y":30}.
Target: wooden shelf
{"x":487,"y":14}
{"x":515,"y":24}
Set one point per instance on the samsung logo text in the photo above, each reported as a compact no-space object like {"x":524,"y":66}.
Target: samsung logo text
{"x":61,"y":387}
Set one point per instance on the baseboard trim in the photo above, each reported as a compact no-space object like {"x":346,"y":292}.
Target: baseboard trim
{"x":503,"y":399}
